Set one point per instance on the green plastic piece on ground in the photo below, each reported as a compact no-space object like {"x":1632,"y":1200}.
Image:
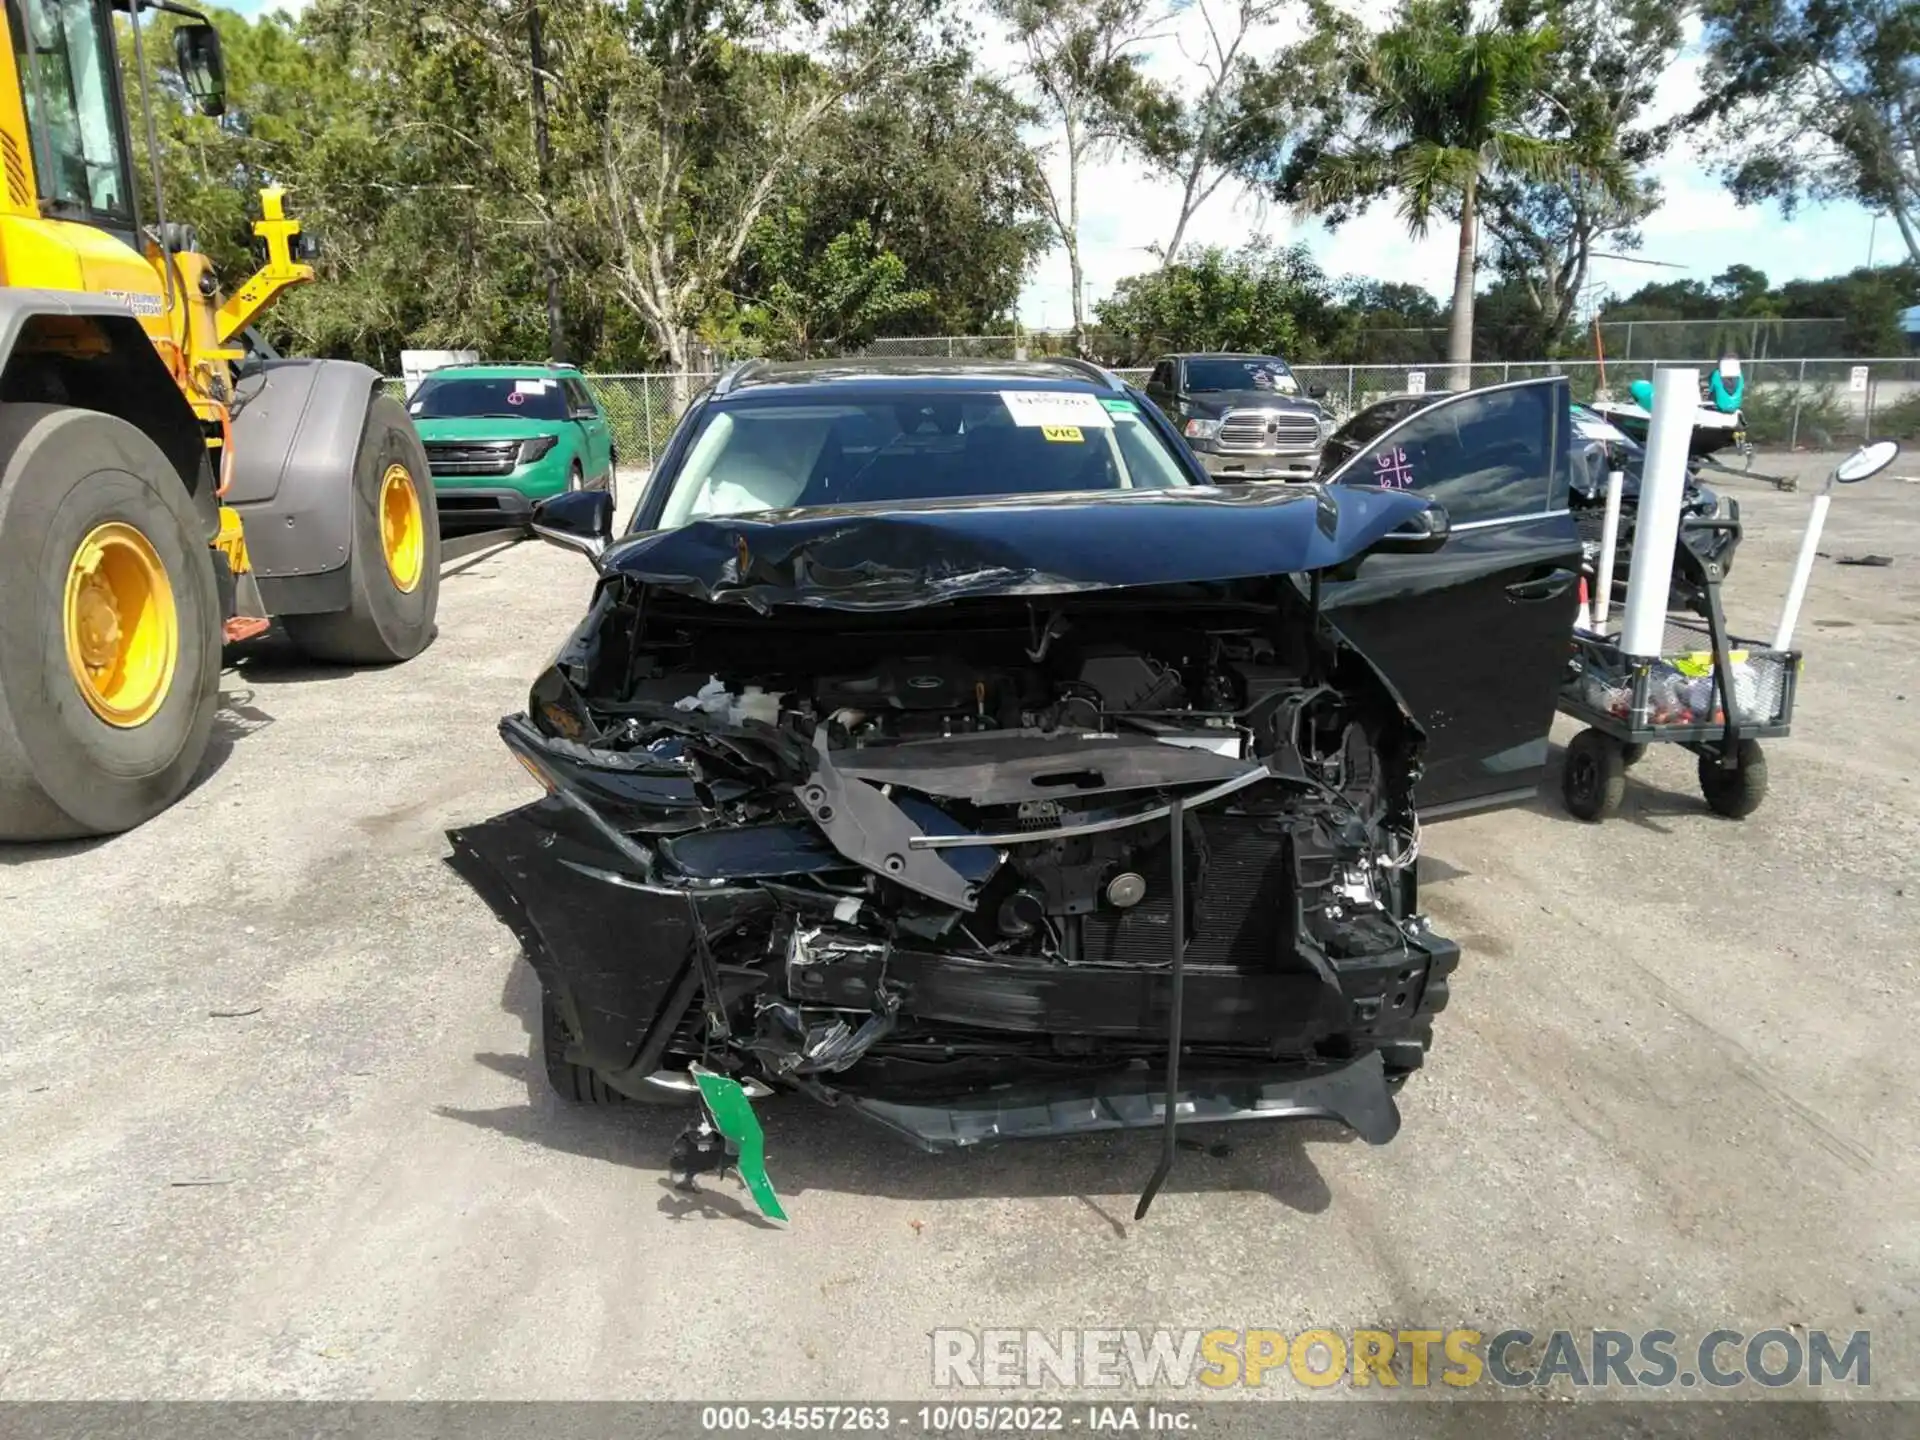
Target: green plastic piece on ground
{"x":733,"y":1117}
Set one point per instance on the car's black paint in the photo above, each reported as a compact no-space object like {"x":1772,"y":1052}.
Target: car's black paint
{"x":1473,"y":634}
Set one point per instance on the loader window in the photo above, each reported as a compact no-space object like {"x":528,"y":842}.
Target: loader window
{"x":72,"y":111}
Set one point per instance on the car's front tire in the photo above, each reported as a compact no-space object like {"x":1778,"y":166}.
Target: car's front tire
{"x":569,"y":1081}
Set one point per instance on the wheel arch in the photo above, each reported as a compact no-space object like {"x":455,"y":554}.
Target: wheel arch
{"x":297,"y":427}
{"x":90,"y":352}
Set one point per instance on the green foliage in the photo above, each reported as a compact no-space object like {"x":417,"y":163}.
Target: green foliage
{"x":1866,"y":303}
{"x":1899,"y":421}
{"x":1433,"y":107}
{"x":1776,"y":413}
{"x":1262,"y":297}
{"x":1815,"y":99}
{"x":778,"y":176}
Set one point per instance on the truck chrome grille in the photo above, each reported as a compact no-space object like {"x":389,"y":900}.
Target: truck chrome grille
{"x":1261,"y":430}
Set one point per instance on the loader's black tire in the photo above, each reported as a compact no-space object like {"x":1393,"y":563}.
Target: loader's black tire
{"x":384,"y":624}
{"x":1632,"y":754}
{"x":1593,"y":779}
{"x":569,"y":1081}
{"x":64,"y":771}
{"x":1735,"y":793}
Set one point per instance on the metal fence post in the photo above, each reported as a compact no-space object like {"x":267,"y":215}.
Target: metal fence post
{"x":1799,"y":389}
{"x":1349,"y":389}
{"x":646,"y":410}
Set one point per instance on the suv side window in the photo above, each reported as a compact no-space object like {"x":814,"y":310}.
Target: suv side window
{"x":1485,"y":455}
{"x":1162,"y":377}
{"x":577,"y":396}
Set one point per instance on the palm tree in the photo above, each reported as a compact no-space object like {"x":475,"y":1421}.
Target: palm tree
{"x":1441,"y":103}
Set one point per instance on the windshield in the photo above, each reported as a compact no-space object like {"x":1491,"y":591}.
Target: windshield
{"x":1257,"y":373}
{"x":777,"y":455}
{"x":71,"y":116}
{"x":471,"y":397}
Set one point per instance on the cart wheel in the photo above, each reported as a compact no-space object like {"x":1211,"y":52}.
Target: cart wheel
{"x":1735,"y":793}
{"x":1594,"y":777}
{"x":1632,"y":755}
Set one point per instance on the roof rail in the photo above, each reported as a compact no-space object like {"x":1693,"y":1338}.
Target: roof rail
{"x":735,"y":374}
{"x":1087,"y":368}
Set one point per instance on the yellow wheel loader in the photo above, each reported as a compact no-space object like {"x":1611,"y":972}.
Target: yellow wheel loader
{"x":164,"y":489}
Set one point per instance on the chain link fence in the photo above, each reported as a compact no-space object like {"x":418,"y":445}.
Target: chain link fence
{"x":1645,"y":341}
{"x":1788,"y":402}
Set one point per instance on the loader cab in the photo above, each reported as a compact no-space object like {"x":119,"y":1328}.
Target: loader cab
{"x":68,"y":146}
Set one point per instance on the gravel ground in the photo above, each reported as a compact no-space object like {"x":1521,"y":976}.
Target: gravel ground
{"x":269,"y":1125}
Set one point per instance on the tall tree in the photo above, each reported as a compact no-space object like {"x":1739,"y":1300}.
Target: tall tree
{"x":1438,"y":105}
{"x":685,"y":119}
{"x":1080,"y":57}
{"x":1594,"y":91}
{"x":931,"y":161}
{"x":1817,"y":99}
{"x":1199,"y":140}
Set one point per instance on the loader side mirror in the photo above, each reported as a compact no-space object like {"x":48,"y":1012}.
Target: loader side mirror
{"x":203,"y":68}
{"x":579,"y":520}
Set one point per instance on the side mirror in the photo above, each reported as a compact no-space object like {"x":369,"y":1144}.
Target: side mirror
{"x":203,"y":68}
{"x":1869,"y":460}
{"x":1316,"y":392}
{"x":579,"y":520}
{"x":1419,"y":534}
{"x":583,"y":412}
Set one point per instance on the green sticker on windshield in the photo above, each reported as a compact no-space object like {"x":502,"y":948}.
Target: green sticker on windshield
{"x":1120,"y":407}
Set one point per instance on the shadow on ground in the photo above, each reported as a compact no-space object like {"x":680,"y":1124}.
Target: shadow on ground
{"x":1645,"y":804}
{"x":236,"y":718}
{"x":812,"y":1147}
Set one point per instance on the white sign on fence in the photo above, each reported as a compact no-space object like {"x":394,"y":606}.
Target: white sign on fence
{"x":1416,"y":382}
{"x":1857,"y":380}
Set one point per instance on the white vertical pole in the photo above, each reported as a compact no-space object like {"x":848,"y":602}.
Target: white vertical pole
{"x":1663,"y":484}
{"x":1802,"y":570}
{"x":1609,"y":540}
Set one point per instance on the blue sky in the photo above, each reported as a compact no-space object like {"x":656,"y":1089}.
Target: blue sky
{"x":1698,"y":228}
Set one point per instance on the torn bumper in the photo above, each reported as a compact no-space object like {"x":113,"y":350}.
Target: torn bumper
{"x":1355,"y":1095}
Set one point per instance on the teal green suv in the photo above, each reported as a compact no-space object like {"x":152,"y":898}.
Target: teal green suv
{"x":500,"y":437}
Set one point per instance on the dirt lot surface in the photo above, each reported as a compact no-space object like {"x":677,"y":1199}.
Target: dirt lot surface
{"x":269,"y":1125}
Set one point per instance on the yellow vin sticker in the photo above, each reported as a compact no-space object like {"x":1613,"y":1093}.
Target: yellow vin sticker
{"x":1069,"y":433}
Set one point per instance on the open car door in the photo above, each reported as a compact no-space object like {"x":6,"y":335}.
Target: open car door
{"x":1474,"y":634}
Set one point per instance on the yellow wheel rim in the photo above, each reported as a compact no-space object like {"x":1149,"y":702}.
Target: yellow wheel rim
{"x":403,"y":535}
{"x":123,"y":635}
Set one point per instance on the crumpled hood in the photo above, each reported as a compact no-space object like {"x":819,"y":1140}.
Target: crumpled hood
{"x":904,"y":556}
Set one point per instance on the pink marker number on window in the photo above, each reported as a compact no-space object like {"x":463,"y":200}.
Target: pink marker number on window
{"x":1390,"y":469}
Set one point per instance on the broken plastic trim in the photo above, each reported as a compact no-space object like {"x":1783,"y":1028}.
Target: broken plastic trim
{"x":1094,"y":827}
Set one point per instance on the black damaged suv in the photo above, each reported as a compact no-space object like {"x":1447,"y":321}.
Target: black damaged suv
{"x":935,"y":726}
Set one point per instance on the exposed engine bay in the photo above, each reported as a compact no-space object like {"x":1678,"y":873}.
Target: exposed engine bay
{"x":923,"y":864}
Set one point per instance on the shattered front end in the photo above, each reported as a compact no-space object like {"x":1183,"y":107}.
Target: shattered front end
{"x":954,"y":859}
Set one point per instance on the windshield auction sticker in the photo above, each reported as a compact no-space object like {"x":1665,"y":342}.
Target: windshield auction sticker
{"x":1056,"y":409}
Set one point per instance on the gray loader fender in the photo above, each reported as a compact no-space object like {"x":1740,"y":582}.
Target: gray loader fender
{"x":296,"y":433}
{"x":127,"y":378}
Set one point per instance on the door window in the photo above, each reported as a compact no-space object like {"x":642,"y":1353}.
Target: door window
{"x":1484,"y":455}
{"x":578,"y":398}
{"x":1162,"y":377}
{"x":71,"y":116}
